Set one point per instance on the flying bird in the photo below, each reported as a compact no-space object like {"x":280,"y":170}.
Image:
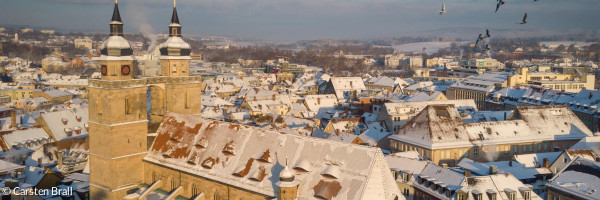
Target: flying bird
{"x":443,"y":11}
{"x":487,"y":48}
{"x":524,"y":19}
{"x":480,"y":38}
{"x":500,"y":3}
{"x":487,"y":33}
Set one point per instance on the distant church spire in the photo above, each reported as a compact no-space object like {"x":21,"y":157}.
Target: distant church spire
{"x":175,"y":27}
{"x":116,"y":25}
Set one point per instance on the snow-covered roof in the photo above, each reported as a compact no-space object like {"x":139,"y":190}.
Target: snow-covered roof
{"x":424,"y":96}
{"x":580,"y":178}
{"x":588,"y":143}
{"x":475,"y":167}
{"x":214,"y":101}
{"x":404,"y":164}
{"x":487,"y":116}
{"x":401,"y":108}
{"x":484,"y":82}
{"x":32,"y":136}
{"x":57,"y":93}
{"x":498,"y":184}
{"x":440,"y":126}
{"x":251,"y":158}
{"x":451,"y":179}
{"x":536,"y":159}
{"x":6,"y":166}
{"x":345,"y":84}
{"x":381,"y":81}
{"x":317,"y":103}
{"x":64,"y":124}
{"x":375,"y":132}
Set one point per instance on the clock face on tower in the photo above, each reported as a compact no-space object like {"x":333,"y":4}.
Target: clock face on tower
{"x":104,"y":70}
{"x":125,"y":70}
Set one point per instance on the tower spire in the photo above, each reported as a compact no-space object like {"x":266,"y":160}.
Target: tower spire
{"x":174,"y":27}
{"x":116,"y":15}
{"x":116,"y":25}
{"x":174,"y":18}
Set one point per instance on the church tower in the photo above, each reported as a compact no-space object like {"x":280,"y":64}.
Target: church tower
{"x":118,"y":122}
{"x":287,"y":185}
{"x":182,"y":92}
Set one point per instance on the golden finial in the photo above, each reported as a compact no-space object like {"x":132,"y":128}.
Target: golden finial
{"x":174,"y":3}
{"x":116,"y":1}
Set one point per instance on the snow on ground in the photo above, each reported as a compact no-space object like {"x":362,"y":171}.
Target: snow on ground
{"x":566,"y":43}
{"x":431,"y":47}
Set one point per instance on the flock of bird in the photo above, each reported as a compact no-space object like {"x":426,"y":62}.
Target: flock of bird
{"x":487,"y":32}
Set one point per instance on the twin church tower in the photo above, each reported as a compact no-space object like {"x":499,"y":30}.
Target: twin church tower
{"x":122,"y":107}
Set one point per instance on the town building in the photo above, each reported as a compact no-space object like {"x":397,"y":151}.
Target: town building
{"x":396,"y":115}
{"x":478,"y":87}
{"x":439,"y":134}
{"x":579,"y":180}
{"x":119,"y":116}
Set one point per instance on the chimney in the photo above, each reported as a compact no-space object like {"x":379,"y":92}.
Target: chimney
{"x":39,"y":162}
{"x":467,"y":173}
{"x":445,"y":165}
{"x":510,"y":163}
{"x":319,"y":100}
{"x":493,"y":169}
{"x":274,"y":97}
{"x":388,"y":94}
{"x":13,"y":118}
{"x":504,"y":115}
{"x":546,"y":163}
{"x":337,"y":132}
{"x":60,"y":159}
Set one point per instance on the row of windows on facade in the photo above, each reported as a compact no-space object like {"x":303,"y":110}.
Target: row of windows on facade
{"x":129,"y":104}
{"x":195,"y":189}
{"x":446,"y":154}
{"x":125,"y":70}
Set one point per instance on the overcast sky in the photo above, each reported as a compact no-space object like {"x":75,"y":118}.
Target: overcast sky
{"x":304,"y":19}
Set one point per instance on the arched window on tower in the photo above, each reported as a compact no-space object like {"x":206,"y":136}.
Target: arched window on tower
{"x":99,"y":105}
{"x":195,"y":190}
{"x":187,"y":100}
{"x":127,"y":106}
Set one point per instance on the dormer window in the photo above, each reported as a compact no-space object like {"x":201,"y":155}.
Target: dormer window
{"x":202,"y":143}
{"x":69,"y":132}
{"x":510,"y":193}
{"x":229,"y":148}
{"x":491,"y":194}
{"x":303,"y":166}
{"x":65,"y":121}
{"x":477,"y":195}
{"x":526,"y":192}
{"x":77,"y":130}
{"x":265,"y":157}
{"x":78,"y":118}
{"x":405,"y":177}
{"x":331,"y":171}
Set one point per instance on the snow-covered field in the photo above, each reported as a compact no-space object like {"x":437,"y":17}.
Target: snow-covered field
{"x":431,"y":47}
{"x":566,"y":43}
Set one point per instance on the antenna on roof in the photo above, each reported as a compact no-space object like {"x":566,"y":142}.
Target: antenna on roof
{"x":286,"y":161}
